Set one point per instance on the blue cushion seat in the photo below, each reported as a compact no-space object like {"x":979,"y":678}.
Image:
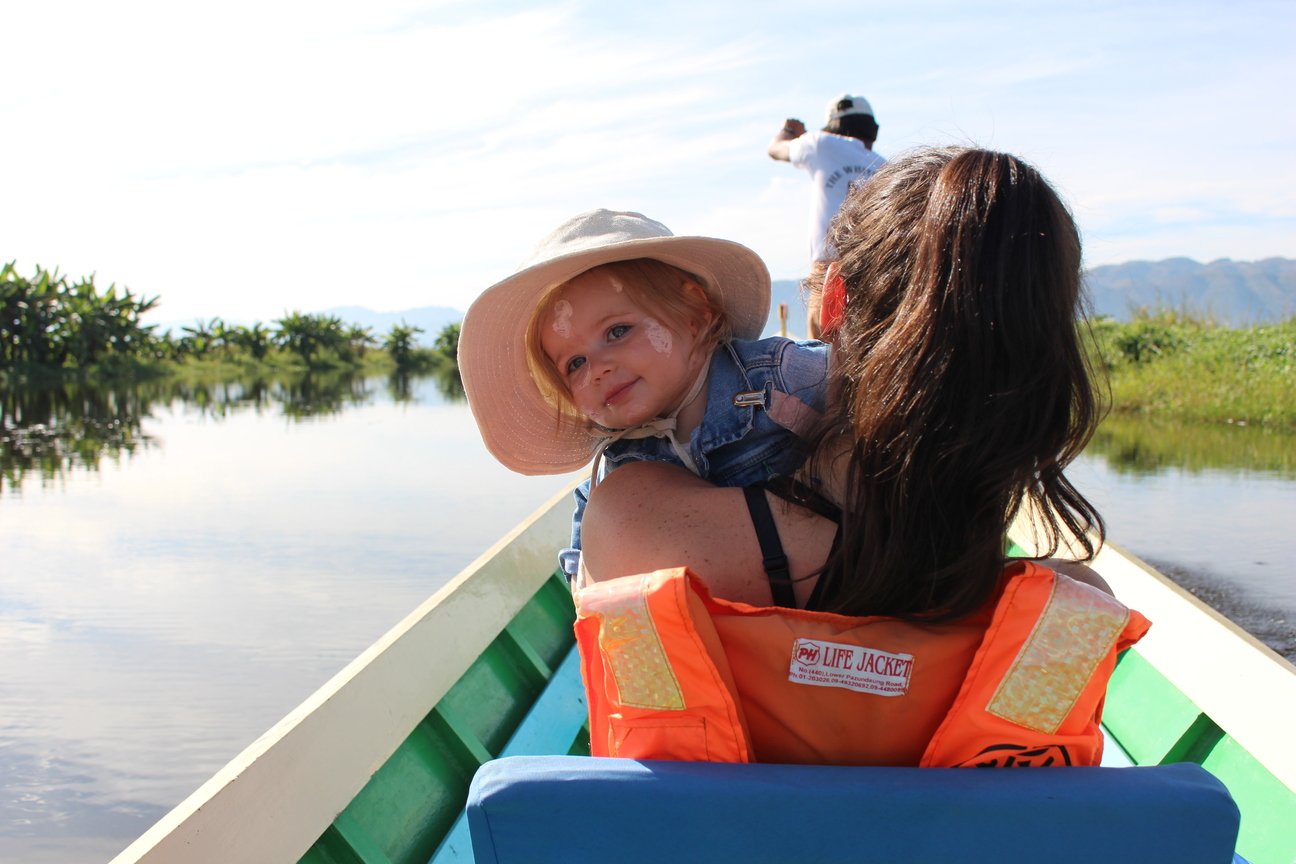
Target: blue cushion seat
{"x":572,"y":810}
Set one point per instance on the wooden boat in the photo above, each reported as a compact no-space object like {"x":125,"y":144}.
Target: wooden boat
{"x":374,"y":767}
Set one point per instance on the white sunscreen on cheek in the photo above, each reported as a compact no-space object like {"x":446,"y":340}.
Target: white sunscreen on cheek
{"x":658,"y":336}
{"x":562,"y":313}
{"x":581,"y":379}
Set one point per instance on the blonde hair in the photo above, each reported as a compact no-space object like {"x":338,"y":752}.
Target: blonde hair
{"x":654,"y":286}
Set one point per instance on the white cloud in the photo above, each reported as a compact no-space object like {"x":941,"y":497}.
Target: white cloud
{"x":244,"y":159}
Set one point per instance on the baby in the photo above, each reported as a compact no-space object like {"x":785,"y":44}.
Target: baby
{"x":617,"y":341}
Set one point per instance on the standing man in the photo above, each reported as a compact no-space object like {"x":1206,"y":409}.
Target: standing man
{"x":840,"y":153}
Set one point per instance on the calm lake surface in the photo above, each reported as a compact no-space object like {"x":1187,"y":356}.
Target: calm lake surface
{"x":181,"y":565}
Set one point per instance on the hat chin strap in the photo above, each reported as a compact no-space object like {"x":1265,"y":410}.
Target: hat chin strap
{"x":661,"y":427}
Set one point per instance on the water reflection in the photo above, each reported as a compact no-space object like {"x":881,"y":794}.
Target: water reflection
{"x":1141,"y":447}
{"x":1209,"y":505}
{"x":48,"y":431}
{"x":447,"y":380}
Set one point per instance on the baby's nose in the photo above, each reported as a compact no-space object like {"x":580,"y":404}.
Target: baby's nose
{"x":603,"y":364}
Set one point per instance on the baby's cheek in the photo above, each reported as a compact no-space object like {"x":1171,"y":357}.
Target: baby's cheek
{"x":658,"y":336}
{"x":581,"y":379}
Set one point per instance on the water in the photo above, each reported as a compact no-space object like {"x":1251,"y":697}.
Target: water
{"x":234,"y":547}
{"x":1214,"y":507}
{"x":182,"y":564}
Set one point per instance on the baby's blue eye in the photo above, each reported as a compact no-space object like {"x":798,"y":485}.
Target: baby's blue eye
{"x":618,"y":331}
{"x":574,"y":364}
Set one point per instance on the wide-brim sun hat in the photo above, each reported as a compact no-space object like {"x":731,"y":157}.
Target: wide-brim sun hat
{"x":520,"y":428}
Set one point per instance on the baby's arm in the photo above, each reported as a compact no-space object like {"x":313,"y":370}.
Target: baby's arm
{"x":569,"y":559}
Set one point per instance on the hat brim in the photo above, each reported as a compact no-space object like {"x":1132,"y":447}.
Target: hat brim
{"x":519,"y":427}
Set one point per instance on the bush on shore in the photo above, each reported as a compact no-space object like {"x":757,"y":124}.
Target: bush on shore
{"x":49,"y":321}
{"x":50,"y":326}
{"x":1186,"y":365}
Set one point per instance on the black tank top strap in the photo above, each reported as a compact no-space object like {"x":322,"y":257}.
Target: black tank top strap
{"x":775,"y":562}
{"x":795,"y":492}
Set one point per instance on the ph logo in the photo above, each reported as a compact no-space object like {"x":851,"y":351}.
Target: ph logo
{"x":808,"y":653}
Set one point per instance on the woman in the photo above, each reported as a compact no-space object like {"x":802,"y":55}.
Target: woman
{"x":960,"y":394}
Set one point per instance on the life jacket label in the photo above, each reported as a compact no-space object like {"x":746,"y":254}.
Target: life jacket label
{"x":836,"y":664}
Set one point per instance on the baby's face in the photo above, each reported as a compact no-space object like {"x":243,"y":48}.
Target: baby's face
{"x":622,"y":366}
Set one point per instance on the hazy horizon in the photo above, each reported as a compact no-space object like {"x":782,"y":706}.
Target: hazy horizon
{"x":1231,"y":294}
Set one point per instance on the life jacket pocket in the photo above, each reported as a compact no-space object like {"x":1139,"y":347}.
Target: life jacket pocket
{"x":679,"y":738}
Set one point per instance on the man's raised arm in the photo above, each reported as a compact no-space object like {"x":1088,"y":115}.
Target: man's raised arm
{"x":779,"y":147}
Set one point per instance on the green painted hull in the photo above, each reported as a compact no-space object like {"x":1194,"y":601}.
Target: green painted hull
{"x":1156,"y":724}
{"x":405,"y":812}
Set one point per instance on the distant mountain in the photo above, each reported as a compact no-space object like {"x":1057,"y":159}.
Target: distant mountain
{"x":1237,"y":292}
{"x":1234,"y":291}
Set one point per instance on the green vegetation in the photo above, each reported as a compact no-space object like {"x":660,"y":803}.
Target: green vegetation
{"x":1186,"y":366}
{"x":48,"y":321}
{"x":79,"y":372}
{"x":54,"y":329}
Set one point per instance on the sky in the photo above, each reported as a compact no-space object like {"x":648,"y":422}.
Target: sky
{"x":245,"y":158}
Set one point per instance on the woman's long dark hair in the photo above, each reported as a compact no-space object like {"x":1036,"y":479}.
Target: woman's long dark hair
{"x":961,"y":381}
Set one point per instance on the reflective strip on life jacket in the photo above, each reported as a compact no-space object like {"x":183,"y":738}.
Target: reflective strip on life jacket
{"x":630,"y":646}
{"x":1033,"y":695}
{"x":655,"y":673}
{"x":1076,"y":630}
{"x":1019,"y":685}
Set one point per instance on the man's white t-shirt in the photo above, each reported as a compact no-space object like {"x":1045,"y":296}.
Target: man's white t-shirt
{"x":833,"y":162}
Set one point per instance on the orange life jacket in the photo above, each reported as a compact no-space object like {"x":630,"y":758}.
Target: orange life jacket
{"x":673,"y":673}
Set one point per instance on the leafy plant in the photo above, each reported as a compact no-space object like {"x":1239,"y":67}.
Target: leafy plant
{"x":200,"y":339}
{"x":360,"y":339}
{"x":447,"y":342}
{"x":46,"y":320}
{"x":308,"y":335}
{"x":1143,"y":340}
{"x":400,"y":345}
{"x":256,"y":340}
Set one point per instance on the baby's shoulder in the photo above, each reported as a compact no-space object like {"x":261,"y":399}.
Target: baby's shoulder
{"x":789,"y":365}
{"x":798,"y":364}
{"x":776,"y":348}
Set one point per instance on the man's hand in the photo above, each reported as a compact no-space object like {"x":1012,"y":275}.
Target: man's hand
{"x":792,"y":129}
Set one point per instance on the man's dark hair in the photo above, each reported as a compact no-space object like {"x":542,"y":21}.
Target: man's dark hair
{"x":861,"y":126}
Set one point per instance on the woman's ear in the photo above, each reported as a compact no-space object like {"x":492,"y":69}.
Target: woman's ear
{"x":694,"y":326}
